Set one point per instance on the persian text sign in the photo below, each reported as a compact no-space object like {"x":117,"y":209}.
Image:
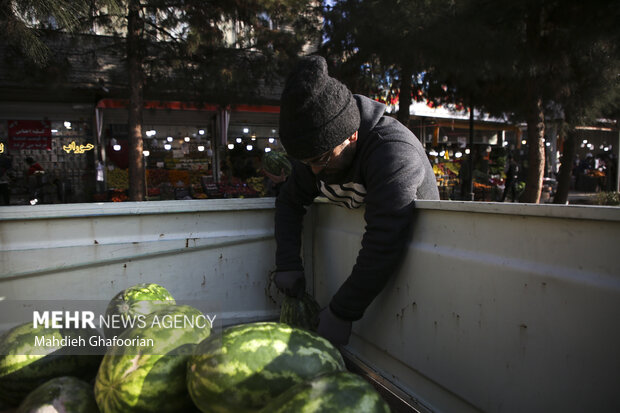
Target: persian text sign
{"x":77,"y":148}
{"x":30,"y":134}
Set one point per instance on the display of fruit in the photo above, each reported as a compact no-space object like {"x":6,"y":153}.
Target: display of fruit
{"x":140,"y":299}
{"x":274,"y":162}
{"x":118,"y":178}
{"x":178,"y":178}
{"x":155,"y":177}
{"x":248,"y":365}
{"x":117,"y":195}
{"x":24,"y":365}
{"x":240,"y":190}
{"x":257,"y":183}
{"x":339,"y":392}
{"x":61,"y":394}
{"x":133,"y":378}
{"x":300,"y":312}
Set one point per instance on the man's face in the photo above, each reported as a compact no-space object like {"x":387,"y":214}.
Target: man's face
{"x":332,"y":166}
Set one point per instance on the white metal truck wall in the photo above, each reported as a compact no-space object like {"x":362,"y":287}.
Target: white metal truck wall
{"x":497,"y":308}
{"x":216,"y":252}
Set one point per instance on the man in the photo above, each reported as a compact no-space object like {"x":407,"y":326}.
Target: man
{"x":512,"y":173}
{"x":344,"y":148}
{"x":33,"y":166}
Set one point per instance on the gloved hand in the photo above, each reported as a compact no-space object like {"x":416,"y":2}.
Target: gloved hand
{"x":334,"y":328}
{"x":291,"y":283}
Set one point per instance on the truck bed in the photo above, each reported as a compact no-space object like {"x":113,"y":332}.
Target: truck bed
{"x":496,"y":307}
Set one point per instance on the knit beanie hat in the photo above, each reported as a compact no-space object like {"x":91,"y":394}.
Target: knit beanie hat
{"x":317,"y":112}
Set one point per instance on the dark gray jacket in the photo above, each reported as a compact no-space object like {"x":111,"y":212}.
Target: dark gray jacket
{"x":389,"y":172}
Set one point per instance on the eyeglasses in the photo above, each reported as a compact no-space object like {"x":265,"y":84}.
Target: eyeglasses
{"x":321,"y":162}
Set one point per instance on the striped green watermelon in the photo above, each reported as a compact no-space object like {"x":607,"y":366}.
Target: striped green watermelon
{"x":62,"y":394}
{"x":339,"y":392}
{"x":300,"y":312}
{"x":140,"y":299}
{"x":274,"y":162}
{"x":151,"y":379}
{"x":246,"y":366}
{"x":24,"y":365}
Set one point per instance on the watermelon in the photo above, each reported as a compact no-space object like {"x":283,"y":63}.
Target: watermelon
{"x":25,"y":365}
{"x":300,"y":312}
{"x":151,"y":378}
{"x":140,"y":299}
{"x":62,"y":394}
{"x":339,"y":392}
{"x":274,"y":162}
{"x":246,"y":366}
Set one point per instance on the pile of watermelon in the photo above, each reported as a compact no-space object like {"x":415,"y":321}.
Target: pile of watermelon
{"x":256,"y":367}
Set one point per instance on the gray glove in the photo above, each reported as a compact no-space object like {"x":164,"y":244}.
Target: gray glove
{"x":334,"y":328}
{"x":291,"y":283}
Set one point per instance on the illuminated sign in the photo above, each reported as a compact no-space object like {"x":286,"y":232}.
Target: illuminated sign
{"x":75,"y":148}
{"x":1,"y":148}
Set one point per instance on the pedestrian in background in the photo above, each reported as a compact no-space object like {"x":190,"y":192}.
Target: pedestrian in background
{"x":512,"y":173}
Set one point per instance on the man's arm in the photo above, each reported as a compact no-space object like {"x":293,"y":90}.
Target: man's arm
{"x":394,"y":174}
{"x":296,"y":193}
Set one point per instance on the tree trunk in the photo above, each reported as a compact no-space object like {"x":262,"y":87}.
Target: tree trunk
{"x":404,"y":98}
{"x":536,"y":153}
{"x":566,"y":167}
{"x":136,"y":100}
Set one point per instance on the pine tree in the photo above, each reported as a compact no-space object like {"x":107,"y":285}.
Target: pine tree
{"x":522,"y":58}
{"x":383,"y":43}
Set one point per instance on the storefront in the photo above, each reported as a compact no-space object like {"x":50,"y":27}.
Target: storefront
{"x":59,"y":139}
{"x":190,"y":151}
{"x":447,"y":144}
{"x":595,"y":167}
